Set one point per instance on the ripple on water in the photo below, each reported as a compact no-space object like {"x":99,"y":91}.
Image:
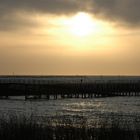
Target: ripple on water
{"x":97,"y":109}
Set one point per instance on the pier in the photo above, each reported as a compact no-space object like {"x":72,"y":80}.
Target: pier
{"x":38,"y":89}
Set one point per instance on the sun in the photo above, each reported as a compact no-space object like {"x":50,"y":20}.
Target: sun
{"x":81,"y":24}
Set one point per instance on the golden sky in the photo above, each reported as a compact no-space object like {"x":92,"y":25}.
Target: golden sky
{"x":70,"y":37}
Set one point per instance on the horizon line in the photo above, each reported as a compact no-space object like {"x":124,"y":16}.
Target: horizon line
{"x":69,"y":75}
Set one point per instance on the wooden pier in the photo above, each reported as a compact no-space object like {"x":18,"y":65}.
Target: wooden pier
{"x":69,"y":90}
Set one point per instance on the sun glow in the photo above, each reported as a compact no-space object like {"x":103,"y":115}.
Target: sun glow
{"x":81,"y":24}
{"x":81,"y":32}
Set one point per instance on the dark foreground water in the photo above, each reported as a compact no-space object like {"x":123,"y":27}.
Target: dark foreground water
{"x":93,"y":111}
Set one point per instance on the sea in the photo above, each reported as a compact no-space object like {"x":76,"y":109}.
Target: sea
{"x":93,"y":111}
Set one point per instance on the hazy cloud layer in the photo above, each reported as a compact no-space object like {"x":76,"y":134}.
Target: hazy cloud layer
{"x":48,"y":6}
{"x":9,"y":9}
{"x":127,"y":11}
{"x":119,"y":10}
{"x":16,"y":22}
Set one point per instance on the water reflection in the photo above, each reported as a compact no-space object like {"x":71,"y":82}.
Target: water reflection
{"x":121,"y":109}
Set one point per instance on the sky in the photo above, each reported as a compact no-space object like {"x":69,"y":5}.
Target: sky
{"x":70,"y":37}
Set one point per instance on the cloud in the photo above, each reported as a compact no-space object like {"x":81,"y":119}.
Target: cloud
{"x":121,"y":11}
{"x":127,"y":11}
{"x":15,"y":22}
{"x":49,"y":6}
{"x":10,"y":8}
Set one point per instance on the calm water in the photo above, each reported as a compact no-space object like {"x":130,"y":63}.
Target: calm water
{"x":92,"y":110}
